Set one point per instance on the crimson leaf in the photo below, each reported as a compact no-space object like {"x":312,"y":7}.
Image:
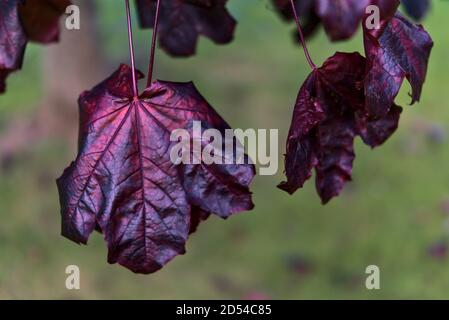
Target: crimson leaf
{"x":183,"y":21}
{"x":21,"y":21}
{"x":374,"y":132}
{"x":124,"y":181}
{"x":40,"y":19}
{"x":329,"y":113}
{"x":12,"y":40}
{"x":399,"y":50}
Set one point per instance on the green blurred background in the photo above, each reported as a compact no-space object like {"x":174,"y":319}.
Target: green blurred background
{"x":394,"y":215}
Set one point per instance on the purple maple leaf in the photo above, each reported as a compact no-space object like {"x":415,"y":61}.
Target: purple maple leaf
{"x":183,"y":21}
{"x":329,"y":113}
{"x":124,"y":182}
{"x":400,"y":49}
{"x":23,"y":21}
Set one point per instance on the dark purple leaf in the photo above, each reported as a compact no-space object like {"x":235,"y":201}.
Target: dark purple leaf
{"x":306,"y":11}
{"x":40,"y":19}
{"x":328,"y":115}
{"x":375,"y":132}
{"x":21,"y":21}
{"x":341,"y":18}
{"x":183,"y":21}
{"x":221,"y":189}
{"x":335,"y":156}
{"x":227,"y":185}
{"x":387,"y":8}
{"x":417,"y":9}
{"x":12,"y":40}
{"x":401,"y":51}
{"x":197,"y":216}
{"x":322,"y":131}
{"x":300,"y":158}
{"x":124,"y":181}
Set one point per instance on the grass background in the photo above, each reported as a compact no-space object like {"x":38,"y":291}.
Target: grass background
{"x":289,"y":247}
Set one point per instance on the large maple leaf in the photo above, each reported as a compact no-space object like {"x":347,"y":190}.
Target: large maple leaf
{"x":329,"y":113}
{"x":183,"y":21}
{"x":124,"y":183}
{"x":22,"y":21}
{"x":398,"y":50}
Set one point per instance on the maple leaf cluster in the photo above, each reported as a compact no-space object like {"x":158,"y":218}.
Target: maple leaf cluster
{"x":123,"y":182}
{"x":353,"y":96}
{"x":22,"y":21}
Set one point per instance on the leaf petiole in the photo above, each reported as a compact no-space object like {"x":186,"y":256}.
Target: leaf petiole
{"x":153,"y":44}
{"x":301,"y":36}
{"x":131,"y":49}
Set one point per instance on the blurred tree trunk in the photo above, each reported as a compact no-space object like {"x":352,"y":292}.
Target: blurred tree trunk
{"x":71,"y":66}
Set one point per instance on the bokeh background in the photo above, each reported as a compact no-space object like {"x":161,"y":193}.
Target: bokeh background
{"x":395,"y":214}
